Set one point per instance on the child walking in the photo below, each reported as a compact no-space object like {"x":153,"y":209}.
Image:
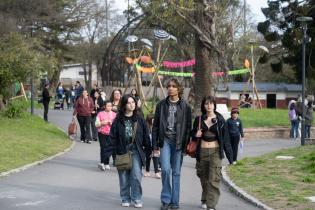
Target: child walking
{"x":150,"y":156}
{"x":235,"y":129}
{"x":103,"y":122}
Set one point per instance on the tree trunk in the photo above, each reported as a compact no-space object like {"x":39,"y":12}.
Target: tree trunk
{"x":204,"y":57}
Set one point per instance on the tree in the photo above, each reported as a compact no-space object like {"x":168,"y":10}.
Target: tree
{"x":18,"y":58}
{"x":200,"y":21}
{"x":284,"y":33}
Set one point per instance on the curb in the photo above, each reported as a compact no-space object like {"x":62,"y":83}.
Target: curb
{"x":27,"y":166}
{"x":241,"y":193}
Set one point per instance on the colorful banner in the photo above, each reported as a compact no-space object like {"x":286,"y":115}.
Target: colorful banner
{"x":177,"y":74}
{"x":240,"y":71}
{"x":173,"y":65}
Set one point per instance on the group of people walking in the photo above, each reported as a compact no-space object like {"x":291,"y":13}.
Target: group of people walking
{"x":295,"y":117}
{"x":163,"y":138}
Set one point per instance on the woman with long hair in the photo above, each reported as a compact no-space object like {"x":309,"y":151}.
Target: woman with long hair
{"x":213,"y":141}
{"x":129,"y":133}
{"x":115,"y":99}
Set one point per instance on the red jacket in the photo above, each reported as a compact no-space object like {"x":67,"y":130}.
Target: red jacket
{"x":84,"y":107}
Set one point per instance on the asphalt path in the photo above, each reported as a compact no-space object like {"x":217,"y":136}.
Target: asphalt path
{"x":73,"y":181}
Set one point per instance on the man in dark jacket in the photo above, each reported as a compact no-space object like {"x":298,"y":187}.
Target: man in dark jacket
{"x":170,"y":134}
{"x":46,"y":100}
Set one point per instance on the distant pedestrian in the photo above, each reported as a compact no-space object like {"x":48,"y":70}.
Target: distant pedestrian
{"x":213,"y":142}
{"x":104,"y":121}
{"x":68,"y":97}
{"x":78,"y":90}
{"x":73,"y":96}
{"x":308,"y":119}
{"x":235,"y":128}
{"x":98,"y":106}
{"x":293,"y":117}
{"x":46,"y":100}
{"x":130,"y":133}
{"x":149,"y":156}
{"x":170,"y":134}
{"x":60,"y":94}
{"x":83,"y":110}
{"x":115,"y":99}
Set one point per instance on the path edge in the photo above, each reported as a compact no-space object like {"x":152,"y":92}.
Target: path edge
{"x":241,"y":193}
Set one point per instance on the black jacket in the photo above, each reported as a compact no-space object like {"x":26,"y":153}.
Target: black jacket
{"x":235,"y":127}
{"x":142,"y":138}
{"x":223,"y":138}
{"x":183,"y":124}
{"x":45,"y":96}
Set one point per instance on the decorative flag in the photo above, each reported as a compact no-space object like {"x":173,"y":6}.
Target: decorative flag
{"x":176,"y":74}
{"x":181,"y":64}
{"x":145,"y":69}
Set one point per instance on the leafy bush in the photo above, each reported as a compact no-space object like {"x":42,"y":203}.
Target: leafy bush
{"x":16,"y":109}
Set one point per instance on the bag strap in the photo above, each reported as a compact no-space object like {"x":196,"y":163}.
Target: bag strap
{"x":135,"y":126}
{"x":199,"y":125}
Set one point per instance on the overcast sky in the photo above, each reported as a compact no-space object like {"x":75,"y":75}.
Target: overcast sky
{"x":254,"y":5}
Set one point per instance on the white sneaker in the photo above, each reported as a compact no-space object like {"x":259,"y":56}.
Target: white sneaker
{"x":146,"y":174}
{"x":101,"y":166}
{"x":158,"y":175}
{"x":203,"y":206}
{"x":107,"y":167}
{"x":138,"y":205}
{"x":125,"y":204}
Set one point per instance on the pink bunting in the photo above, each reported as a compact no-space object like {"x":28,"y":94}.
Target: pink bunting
{"x":173,"y":65}
{"x":218,"y":74}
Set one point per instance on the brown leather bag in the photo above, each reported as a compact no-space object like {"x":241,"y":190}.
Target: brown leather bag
{"x":72,"y":128}
{"x":192,"y":145}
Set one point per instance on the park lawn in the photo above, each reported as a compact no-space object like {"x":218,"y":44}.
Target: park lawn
{"x":28,"y":139}
{"x":252,"y":118}
{"x":281,"y":184}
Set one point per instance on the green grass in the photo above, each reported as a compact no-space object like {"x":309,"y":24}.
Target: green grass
{"x":265,"y":118}
{"x":28,"y":139}
{"x":281,"y":184}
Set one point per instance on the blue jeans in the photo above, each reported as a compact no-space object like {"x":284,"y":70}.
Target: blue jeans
{"x":307,"y":131}
{"x":294,"y":133}
{"x":130,"y":181}
{"x":171,"y":161}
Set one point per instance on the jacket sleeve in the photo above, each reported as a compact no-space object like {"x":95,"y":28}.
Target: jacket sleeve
{"x":188,"y":124}
{"x":155,"y":128}
{"x":227,"y":144}
{"x":146,"y":143}
{"x":113,"y":135}
{"x":194,"y":128}
{"x":241,"y":128}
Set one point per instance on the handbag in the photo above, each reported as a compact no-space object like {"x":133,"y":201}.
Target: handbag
{"x":192,"y":145}
{"x":124,"y":162}
{"x":72,"y":128}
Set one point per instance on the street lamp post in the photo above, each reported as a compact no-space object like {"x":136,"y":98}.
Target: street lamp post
{"x":305,"y":40}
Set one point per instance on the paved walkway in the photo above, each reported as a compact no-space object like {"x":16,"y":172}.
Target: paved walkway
{"x":73,"y":181}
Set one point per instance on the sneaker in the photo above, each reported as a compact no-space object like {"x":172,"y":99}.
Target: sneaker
{"x":88,"y":142}
{"x":210,"y":209}
{"x":164,"y":206}
{"x":101,"y":166}
{"x":107,"y":167}
{"x":146,"y":174}
{"x":82,"y":141}
{"x":158,"y":175}
{"x":174,"y":206}
{"x":125,"y":204}
{"x":138,"y":205}
{"x":203,"y":205}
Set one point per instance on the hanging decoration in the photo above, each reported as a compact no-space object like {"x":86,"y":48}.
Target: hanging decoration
{"x":146,"y":59}
{"x":145,"y":69}
{"x":181,"y":64}
{"x":177,"y":74}
{"x":161,"y":34}
{"x":240,"y":71}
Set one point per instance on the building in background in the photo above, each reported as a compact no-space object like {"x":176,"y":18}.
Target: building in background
{"x":74,"y":72}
